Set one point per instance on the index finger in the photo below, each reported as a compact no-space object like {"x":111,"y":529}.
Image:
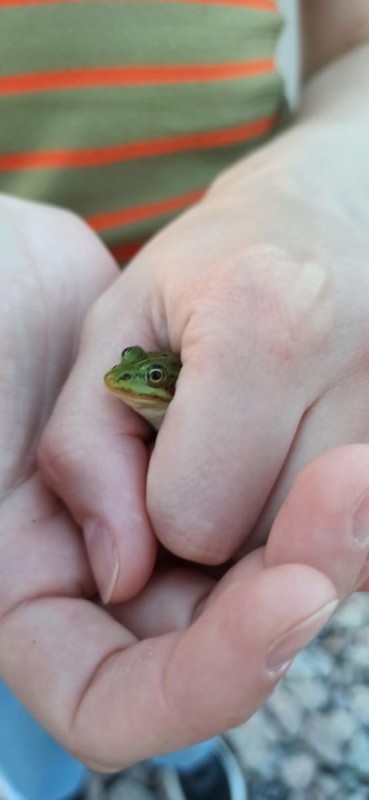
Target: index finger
{"x":94,"y":455}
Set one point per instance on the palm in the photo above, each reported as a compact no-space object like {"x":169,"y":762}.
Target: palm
{"x":53,"y":268}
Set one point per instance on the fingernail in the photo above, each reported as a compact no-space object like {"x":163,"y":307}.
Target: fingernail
{"x":362,"y":576}
{"x":286,"y":647}
{"x":360,"y":524}
{"x":103,"y":556}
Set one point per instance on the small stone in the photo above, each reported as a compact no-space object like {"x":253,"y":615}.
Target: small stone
{"x":257,"y":745}
{"x":340,"y":724}
{"x":362,"y":636}
{"x":259,"y":728}
{"x":312,"y":793}
{"x":287,"y":707}
{"x":312,"y":662}
{"x":353,"y":614}
{"x":338,"y":695}
{"x":322,"y":661}
{"x":262,"y":759}
{"x":359,"y":702}
{"x":358,"y":753}
{"x":359,"y":795}
{"x":335,"y":643}
{"x":357,"y":654}
{"x":300,"y":669}
{"x":261,"y":789}
{"x":349,"y":778}
{"x":298,"y":770}
{"x":312,"y":693}
{"x":329,"y":785}
{"x":319,"y":735}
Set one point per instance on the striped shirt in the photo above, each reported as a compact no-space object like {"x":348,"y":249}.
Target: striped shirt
{"x":125,"y":110}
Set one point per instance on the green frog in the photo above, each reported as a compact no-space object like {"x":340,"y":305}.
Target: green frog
{"x":146,"y":381}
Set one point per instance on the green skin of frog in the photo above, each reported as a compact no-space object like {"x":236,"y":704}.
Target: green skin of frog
{"x":145,"y":381}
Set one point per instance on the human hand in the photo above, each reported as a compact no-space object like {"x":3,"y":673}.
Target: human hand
{"x":52,"y":268}
{"x":158,"y":677}
{"x":192,"y":656}
{"x":262,"y":287}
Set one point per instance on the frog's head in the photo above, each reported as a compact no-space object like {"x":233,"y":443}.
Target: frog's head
{"x":145,"y":381}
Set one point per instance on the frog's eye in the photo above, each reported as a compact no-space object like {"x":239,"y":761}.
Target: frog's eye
{"x":155,"y":375}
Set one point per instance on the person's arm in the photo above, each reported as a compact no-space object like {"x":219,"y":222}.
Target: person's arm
{"x":330,"y":29}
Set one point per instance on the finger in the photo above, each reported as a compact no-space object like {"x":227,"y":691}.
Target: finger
{"x":217,"y":457}
{"x":41,"y":551}
{"x":337,"y":419}
{"x":126,"y":700}
{"x":94,"y":456}
{"x":173,"y":598}
{"x":239,"y":400}
{"x":324,"y":522}
{"x":169,"y":602}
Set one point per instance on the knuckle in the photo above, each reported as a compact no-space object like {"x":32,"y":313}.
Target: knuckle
{"x":269,"y":307}
{"x":188,"y":537}
{"x":282,"y":308}
{"x":57,"y":455}
{"x":289,"y":305}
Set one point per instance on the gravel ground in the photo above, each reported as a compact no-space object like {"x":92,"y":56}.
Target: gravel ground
{"x":310,"y":741}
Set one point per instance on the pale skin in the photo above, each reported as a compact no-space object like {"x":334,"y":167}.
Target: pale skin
{"x":281,"y":239}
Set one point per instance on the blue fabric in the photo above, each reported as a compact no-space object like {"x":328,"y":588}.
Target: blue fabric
{"x":31,"y":761}
{"x":38,"y":768}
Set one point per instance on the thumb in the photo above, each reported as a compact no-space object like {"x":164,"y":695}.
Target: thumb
{"x":324,"y":522}
{"x":196,"y":682}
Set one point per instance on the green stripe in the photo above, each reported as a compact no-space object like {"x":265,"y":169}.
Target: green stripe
{"x":127,"y":185}
{"x":107,"y":117}
{"x":94,"y":189}
{"x":56,"y":37}
{"x":39,"y":38}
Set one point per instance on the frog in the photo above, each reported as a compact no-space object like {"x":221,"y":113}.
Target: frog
{"x":145,"y":380}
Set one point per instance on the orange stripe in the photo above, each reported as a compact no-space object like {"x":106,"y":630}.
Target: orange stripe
{"x":132,"y":76}
{"x":124,"y":252}
{"x":62,"y":159}
{"x":126,"y":216}
{"x":262,"y":5}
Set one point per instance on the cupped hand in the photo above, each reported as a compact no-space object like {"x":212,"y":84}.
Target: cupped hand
{"x":264,"y":289}
{"x":187,"y":657}
{"x":52,"y":268}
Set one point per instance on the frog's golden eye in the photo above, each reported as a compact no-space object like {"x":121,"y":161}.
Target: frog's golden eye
{"x":155,"y":375}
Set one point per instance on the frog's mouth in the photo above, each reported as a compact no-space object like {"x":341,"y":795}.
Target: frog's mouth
{"x":138,"y":401}
{"x":153,"y":409}
{"x":134,"y":398}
